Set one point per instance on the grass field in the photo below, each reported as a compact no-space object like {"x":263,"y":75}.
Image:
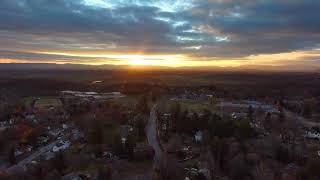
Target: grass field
{"x":47,"y":101}
{"x":128,"y":101}
{"x":27,"y":101}
{"x":41,"y":102}
{"x":192,"y":105}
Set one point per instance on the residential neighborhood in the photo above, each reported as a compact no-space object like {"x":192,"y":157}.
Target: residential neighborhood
{"x":159,"y":89}
{"x":187,"y":135}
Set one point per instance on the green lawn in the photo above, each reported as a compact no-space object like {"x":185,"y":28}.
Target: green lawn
{"x":41,"y":102}
{"x":47,"y":101}
{"x":128,"y":101}
{"x":194,"y":105}
{"x":27,"y":101}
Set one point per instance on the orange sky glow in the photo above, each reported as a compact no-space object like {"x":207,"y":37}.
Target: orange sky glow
{"x":175,"y":60}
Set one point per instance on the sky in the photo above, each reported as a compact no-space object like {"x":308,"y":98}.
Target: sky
{"x":172,"y":33}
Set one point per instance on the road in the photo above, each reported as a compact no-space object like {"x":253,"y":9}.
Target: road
{"x":152,"y":136}
{"x":24,"y":162}
{"x":302,"y":120}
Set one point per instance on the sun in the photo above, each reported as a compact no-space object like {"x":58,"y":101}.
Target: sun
{"x":156,"y":60}
{"x":137,"y":61}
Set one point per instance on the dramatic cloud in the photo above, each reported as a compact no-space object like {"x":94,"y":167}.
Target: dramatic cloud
{"x":202,"y":29}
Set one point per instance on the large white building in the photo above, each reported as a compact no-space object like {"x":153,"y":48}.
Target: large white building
{"x":89,"y":96}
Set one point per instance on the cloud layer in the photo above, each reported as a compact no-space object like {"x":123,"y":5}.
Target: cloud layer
{"x":199,"y":28}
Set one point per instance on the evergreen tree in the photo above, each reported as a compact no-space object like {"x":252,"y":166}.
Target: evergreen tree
{"x":307,"y":111}
{"x":142,"y":105}
{"x":12,"y":157}
{"x":281,"y":116}
{"x":117,"y":147}
{"x":250,"y":113}
{"x":139,"y":123}
{"x":175,"y":111}
{"x":58,"y":162}
{"x":130,"y":145}
{"x":104,"y":173}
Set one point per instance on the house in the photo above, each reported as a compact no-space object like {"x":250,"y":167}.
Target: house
{"x":31,"y":117}
{"x":17,"y":152}
{"x":164,"y":122}
{"x":3,"y":123}
{"x":237,"y":115}
{"x":198,"y":136}
{"x":55,"y":133}
{"x":123,"y":140}
{"x":167,"y":115}
{"x":78,"y":176}
{"x":65,"y":126}
{"x":164,"y":126}
{"x":48,"y":155}
{"x":76,"y":134}
{"x":125,"y":131}
{"x":22,"y":149}
{"x":43,"y":139}
{"x":312,"y":135}
{"x":61,"y":145}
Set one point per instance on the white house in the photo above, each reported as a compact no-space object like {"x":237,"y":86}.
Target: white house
{"x":31,"y":117}
{"x":61,"y":145}
{"x":312,"y":135}
{"x":77,"y":134}
{"x":65,"y":126}
{"x":198,"y":136}
{"x":48,"y":155}
{"x":43,"y":139}
{"x":17,"y":152}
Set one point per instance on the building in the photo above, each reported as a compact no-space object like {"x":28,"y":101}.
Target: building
{"x":61,"y":145}
{"x":198,"y":136}
{"x":312,"y":135}
{"x":88,"y":96}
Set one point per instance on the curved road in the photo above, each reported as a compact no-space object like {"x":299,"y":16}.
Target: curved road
{"x":302,"y":120}
{"x":22,"y":164}
{"x":152,"y":136}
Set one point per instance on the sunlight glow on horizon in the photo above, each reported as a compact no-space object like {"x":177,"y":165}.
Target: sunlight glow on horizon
{"x":173,"y":60}
{"x":170,"y":60}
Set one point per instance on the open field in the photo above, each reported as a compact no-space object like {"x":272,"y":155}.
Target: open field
{"x":41,"y":102}
{"x":27,"y":101}
{"x":191,"y":105}
{"x":127,"y":101}
{"x":47,"y":101}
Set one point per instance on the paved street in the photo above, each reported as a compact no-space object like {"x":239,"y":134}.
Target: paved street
{"x":152,"y":136}
{"x":302,"y":120}
{"x":21,"y":164}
